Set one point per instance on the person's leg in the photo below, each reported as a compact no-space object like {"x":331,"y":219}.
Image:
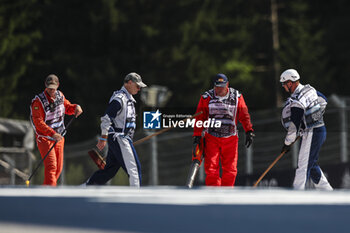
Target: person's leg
{"x":50,"y":163}
{"x":316,"y":174}
{"x":59,"y":148}
{"x":212,"y":161}
{"x":101,"y":177}
{"x":129,"y":161}
{"x":229,"y":157}
{"x":301,"y":173}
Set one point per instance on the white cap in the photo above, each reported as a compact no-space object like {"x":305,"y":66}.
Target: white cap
{"x":289,"y":74}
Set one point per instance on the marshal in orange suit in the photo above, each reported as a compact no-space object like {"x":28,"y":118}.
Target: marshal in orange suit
{"x":47,"y":115}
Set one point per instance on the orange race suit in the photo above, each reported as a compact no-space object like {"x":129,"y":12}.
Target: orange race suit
{"x":221,"y":143}
{"x":47,"y":116}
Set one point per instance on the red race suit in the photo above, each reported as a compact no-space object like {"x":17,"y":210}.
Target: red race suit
{"x":221,"y":143}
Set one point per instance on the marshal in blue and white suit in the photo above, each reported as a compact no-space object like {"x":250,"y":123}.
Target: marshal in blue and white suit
{"x":302,"y":116}
{"x":117,"y":129}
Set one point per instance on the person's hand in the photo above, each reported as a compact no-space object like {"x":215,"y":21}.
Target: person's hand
{"x":249,"y":136}
{"x":78,"y":111}
{"x":101,"y":143}
{"x":285,"y":148}
{"x":196,"y":140}
{"x":58,"y":137}
{"x":196,"y":149}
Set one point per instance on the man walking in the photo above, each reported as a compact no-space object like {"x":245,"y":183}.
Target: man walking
{"x":47,"y":115}
{"x":117,"y":129}
{"x":303,"y":115}
{"x":226,"y":105}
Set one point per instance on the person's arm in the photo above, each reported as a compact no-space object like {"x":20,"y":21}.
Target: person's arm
{"x":296,"y":117}
{"x":243,"y":115}
{"x":71,"y":109}
{"x":106,"y":121}
{"x":320,"y":94}
{"x":201,"y":107}
{"x":244,"y":118}
{"x":38,"y":117}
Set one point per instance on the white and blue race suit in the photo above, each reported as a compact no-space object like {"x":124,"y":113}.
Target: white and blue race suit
{"x":119,"y":122}
{"x":303,"y":115}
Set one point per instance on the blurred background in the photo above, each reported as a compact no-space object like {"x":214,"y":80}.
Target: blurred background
{"x":178,"y":46}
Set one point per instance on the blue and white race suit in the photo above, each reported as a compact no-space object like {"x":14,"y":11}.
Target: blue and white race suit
{"x":119,"y":122}
{"x":302,"y":116}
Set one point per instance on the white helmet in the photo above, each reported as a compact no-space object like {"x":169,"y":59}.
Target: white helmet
{"x":289,"y":74}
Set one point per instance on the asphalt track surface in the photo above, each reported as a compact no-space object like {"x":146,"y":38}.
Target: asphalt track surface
{"x":172,"y":209}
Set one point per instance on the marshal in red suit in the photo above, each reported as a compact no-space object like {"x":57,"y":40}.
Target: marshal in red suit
{"x":226,"y":105}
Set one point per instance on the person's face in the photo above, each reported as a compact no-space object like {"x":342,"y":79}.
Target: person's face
{"x":221,"y":91}
{"x":287,"y":85}
{"x":132,"y":87}
{"x":51,"y":92}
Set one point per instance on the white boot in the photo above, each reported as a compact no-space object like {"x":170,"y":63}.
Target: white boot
{"x":323,"y":183}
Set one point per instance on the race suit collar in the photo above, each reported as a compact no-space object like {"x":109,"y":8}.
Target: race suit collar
{"x":49,"y":98}
{"x":297,"y":90}
{"x":130,"y":97}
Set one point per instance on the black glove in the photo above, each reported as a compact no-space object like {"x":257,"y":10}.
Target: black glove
{"x":285,"y":148}
{"x":196,"y":146}
{"x":249,"y":138}
{"x":196,"y":140}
